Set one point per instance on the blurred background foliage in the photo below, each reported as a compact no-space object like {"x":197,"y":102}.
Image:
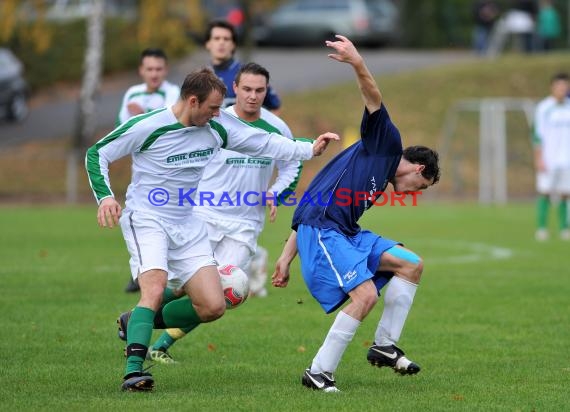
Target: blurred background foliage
{"x":36,"y":39}
{"x":177,"y":26}
{"x":449,"y":23}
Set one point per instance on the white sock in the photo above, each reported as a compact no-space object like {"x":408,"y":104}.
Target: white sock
{"x":340,"y":334}
{"x":397,"y":303}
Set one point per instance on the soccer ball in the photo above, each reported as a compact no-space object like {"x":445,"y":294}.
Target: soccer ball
{"x":235,"y":284}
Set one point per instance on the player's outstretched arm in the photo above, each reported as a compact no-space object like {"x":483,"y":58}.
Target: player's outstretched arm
{"x":280,"y":277}
{"x":346,"y":52}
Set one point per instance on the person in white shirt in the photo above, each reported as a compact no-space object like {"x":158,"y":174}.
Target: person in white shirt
{"x":221,"y":44}
{"x":233,"y":228}
{"x":153,"y":93}
{"x":170,"y":148}
{"x":551,"y":140}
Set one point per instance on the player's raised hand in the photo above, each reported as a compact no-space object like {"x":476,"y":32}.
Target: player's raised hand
{"x":321,"y":142}
{"x":345,"y":50}
{"x":109,"y":212}
{"x":347,"y":53}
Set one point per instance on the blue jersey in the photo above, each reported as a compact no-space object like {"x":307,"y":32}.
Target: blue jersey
{"x":348,"y":185}
{"x":227,"y":71}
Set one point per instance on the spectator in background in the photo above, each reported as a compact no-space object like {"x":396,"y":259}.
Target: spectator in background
{"x":518,"y":23}
{"x":485,"y":14}
{"x":548,"y":26}
{"x":523,"y":19}
{"x":551,"y":141}
{"x":221,"y":44}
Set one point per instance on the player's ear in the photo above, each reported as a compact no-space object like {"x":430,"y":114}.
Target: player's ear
{"x":193,"y":101}
{"x":420,"y":169}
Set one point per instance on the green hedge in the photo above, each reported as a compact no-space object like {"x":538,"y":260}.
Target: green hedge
{"x":449,"y":23}
{"x":63,"y":59}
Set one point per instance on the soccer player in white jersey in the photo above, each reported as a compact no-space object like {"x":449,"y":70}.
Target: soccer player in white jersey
{"x":233,"y":229}
{"x":231,"y":173}
{"x":155,"y":91}
{"x":551,"y":140}
{"x":221,"y":44}
{"x":170,"y":148}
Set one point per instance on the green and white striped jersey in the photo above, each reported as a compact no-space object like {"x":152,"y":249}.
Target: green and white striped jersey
{"x":168,"y":159}
{"x":231,"y":174}
{"x":166,"y":95}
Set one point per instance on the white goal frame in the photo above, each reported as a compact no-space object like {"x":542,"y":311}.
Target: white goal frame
{"x":492,"y":140}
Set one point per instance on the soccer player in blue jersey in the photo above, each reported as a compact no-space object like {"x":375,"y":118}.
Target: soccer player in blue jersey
{"x":341,"y":262}
{"x":221,"y":44}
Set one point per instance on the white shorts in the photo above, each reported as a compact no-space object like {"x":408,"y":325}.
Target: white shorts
{"x":232,"y":242}
{"x":555,"y":181}
{"x":179,"y":249}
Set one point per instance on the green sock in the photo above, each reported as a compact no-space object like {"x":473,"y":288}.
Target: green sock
{"x":542,"y":204}
{"x":139,"y":332}
{"x":563,"y":214}
{"x":170,"y":336}
{"x":180,"y":314}
{"x":168,"y":296}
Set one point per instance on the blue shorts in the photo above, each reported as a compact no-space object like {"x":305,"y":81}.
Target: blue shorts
{"x":334,"y":264}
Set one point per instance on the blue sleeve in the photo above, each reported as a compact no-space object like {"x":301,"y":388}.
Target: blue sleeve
{"x":379,"y":135}
{"x":272,"y":100}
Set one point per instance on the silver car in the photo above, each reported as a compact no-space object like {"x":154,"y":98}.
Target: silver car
{"x":311,"y":22}
{"x":13,"y":88}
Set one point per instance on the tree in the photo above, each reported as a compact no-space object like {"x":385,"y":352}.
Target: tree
{"x":91,"y":78}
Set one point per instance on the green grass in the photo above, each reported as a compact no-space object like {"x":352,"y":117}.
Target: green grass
{"x":489,"y":325}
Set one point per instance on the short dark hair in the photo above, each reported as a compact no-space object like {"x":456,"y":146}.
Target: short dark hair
{"x":222,"y":24}
{"x":153,"y":52}
{"x":560,"y":76}
{"x":200,"y":83}
{"x":252,"y":68}
{"x":427,"y":157}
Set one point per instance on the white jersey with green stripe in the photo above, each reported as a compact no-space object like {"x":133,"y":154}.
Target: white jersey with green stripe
{"x":168,"y":159}
{"x":230,"y":175}
{"x":552,"y":132}
{"x":166,"y":95}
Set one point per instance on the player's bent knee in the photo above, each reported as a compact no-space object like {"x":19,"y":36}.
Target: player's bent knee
{"x":211,"y":312}
{"x":420,"y":267}
{"x":407,"y":264}
{"x":413,"y":271}
{"x":364,"y":297}
{"x":417,"y":272}
{"x":370,"y":301}
{"x":151,"y":297}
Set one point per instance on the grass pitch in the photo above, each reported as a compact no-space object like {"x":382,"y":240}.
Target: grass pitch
{"x":489,"y":325}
